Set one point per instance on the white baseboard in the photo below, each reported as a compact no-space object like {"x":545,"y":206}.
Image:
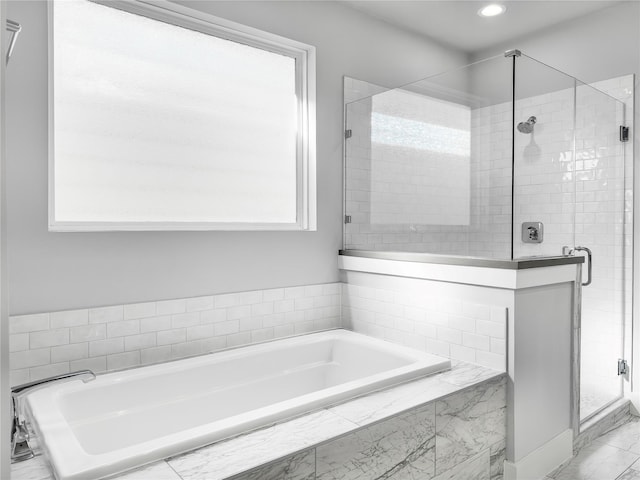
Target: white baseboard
{"x":542,"y":460}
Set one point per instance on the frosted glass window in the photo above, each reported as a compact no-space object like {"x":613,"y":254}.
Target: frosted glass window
{"x":158,"y":126}
{"x":420,"y":160}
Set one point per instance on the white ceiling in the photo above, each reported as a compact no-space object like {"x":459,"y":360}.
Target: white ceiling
{"x":457,"y":24}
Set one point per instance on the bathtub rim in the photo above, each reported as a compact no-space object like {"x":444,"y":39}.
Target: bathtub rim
{"x":396,"y":346}
{"x":227,"y":461}
{"x":77,"y":467}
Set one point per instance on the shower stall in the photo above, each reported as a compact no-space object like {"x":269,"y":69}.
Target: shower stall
{"x":503,"y":159}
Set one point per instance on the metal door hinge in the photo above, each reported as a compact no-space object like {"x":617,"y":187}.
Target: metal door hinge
{"x":348,"y":133}
{"x":624,"y":133}
{"x":347,"y":219}
{"x":623,"y":367}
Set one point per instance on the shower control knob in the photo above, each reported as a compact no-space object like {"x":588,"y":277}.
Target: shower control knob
{"x":532,"y":232}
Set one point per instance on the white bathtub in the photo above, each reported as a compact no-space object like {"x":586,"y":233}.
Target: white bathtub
{"x":125,"y":419}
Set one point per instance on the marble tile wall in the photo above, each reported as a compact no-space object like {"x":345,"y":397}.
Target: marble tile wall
{"x":402,"y":447}
{"x":459,"y":436}
{"x":121,"y":336}
{"x":470,"y":424}
{"x":301,"y":466}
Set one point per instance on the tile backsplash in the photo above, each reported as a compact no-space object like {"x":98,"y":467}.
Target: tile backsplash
{"x":121,"y":336}
{"x":465,"y":330}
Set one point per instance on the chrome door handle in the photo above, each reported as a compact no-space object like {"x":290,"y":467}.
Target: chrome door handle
{"x":589,"y":259}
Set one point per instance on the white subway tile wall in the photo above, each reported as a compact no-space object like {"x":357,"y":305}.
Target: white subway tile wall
{"x":415,"y":177}
{"x":490,"y":229}
{"x":123,"y":336}
{"x":485,"y":230}
{"x":451,"y":327}
{"x":364,"y":188}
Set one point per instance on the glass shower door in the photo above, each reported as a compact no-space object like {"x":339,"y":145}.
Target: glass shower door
{"x":600,"y":226}
{"x":569,"y":178}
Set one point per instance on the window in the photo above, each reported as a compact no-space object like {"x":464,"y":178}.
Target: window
{"x":164,"y":118}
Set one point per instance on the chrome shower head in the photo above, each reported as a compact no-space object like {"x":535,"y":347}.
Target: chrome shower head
{"x":527,"y":127}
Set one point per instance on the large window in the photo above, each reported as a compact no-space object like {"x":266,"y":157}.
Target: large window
{"x":171,"y":119}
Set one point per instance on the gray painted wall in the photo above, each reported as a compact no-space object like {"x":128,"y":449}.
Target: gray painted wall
{"x":594,"y":47}
{"x":57,"y":271}
{"x":602,"y":45}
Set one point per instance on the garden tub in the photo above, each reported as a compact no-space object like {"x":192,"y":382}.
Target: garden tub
{"x":126,"y":419}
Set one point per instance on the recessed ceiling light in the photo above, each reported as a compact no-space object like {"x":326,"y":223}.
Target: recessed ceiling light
{"x":492,"y":10}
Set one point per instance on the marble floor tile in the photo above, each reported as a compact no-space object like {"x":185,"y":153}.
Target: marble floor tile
{"x":596,"y":462}
{"x":629,"y":475}
{"x":607,"y":422}
{"x":625,"y":437}
{"x":632,"y":473}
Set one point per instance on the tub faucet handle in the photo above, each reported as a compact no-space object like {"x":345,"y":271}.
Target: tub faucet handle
{"x":20,"y":449}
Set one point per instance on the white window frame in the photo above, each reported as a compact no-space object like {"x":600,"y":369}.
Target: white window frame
{"x":178,"y":15}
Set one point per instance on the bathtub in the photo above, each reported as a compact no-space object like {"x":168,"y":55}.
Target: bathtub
{"x":125,"y":419}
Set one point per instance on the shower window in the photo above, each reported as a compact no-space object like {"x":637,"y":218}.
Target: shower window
{"x":163,"y":118}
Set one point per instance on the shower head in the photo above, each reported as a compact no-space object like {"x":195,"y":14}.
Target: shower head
{"x":527,"y":127}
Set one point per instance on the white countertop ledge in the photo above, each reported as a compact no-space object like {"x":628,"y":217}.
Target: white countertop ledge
{"x":512,"y":279}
